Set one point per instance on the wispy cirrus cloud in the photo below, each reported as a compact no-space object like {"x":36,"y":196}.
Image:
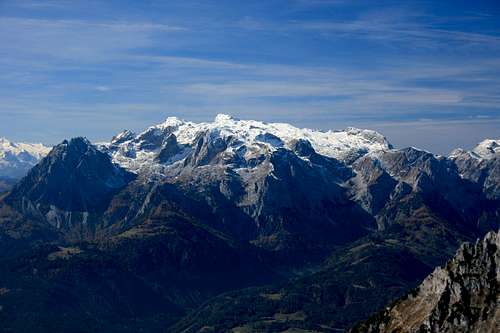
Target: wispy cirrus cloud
{"x":395,"y":24}
{"x":76,"y":40}
{"x":314,"y":63}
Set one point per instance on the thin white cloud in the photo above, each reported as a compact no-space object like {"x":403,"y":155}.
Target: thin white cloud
{"x":189,"y":62}
{"x":76,"y":40}
{"x":374,"y":89}
{"x":392,"y":25}
{"x":102,"y":88}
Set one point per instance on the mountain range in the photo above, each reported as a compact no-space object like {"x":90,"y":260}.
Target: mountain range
{"x":16,"y":159}
{"x":232,"y":226}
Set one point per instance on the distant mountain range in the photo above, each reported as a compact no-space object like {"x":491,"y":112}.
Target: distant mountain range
{"x":233,"y":226}
{"x":16,"y":159}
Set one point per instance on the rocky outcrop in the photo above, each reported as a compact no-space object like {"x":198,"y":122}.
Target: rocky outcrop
{"x":399,"y":186}
{"x":73,"y":181}
{"x":463,"y":296}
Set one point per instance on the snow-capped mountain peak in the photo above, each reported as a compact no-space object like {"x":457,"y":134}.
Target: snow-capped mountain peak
{"x":221,"y":118}
{"x":487,"y":149}
{"x":329,"y":143}
{"x":246,"y":138}
{"x":17,"y":158}
{"x":37,"y":150}
{"x":171,"y":122}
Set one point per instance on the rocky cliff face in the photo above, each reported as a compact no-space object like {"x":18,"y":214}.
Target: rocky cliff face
{"x":481,"y":166}
{"x":463,"y":296}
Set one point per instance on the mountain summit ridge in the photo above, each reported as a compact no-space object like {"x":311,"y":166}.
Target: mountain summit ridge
{"x":243,"y":138}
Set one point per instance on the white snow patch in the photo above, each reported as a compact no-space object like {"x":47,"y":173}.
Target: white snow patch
{"x":17,"y":158}
{"x":247,"y":133}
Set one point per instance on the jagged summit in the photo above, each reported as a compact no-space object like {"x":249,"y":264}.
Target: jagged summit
{"x":123,"y":136}
{"x":78,"y":144}
{"x":74,"y":176}
{"x":486,"y":149}
{"x":242,"y":139}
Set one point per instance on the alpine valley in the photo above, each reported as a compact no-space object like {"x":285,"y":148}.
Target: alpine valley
{"x":244,"y":226}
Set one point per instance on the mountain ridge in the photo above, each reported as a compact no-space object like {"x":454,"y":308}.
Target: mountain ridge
{"x":192,"y":211}
{"x":246,"y":139}
{"x":17,"y":158}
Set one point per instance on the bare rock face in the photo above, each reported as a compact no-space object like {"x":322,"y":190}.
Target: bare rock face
{"x":74,"y":182}
{"x":462,"y":296}
{"x":481,"y":166}
{"x":75,"y":176}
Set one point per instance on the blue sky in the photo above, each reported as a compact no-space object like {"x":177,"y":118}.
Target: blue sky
{"x":424,"y":73}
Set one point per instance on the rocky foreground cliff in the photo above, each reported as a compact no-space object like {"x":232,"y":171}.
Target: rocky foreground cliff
{"x":462,"y":296}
